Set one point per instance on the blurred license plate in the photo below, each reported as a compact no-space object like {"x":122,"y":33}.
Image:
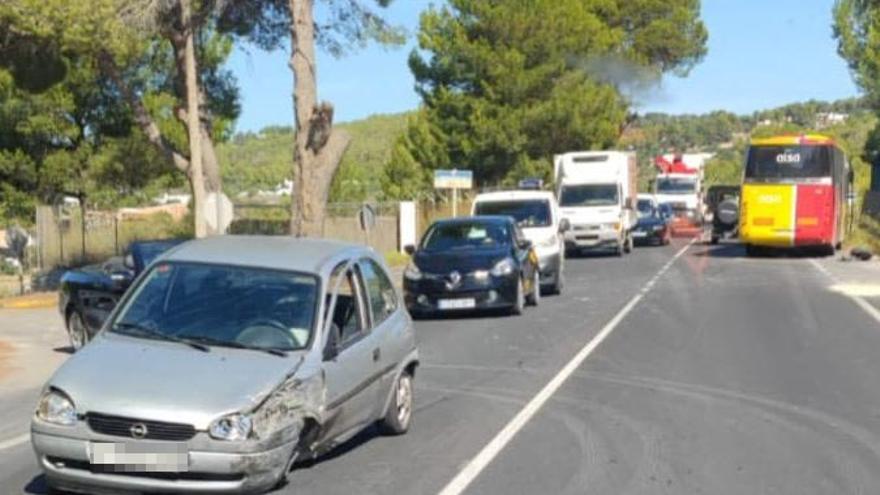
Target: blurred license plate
{"x":638,"y":234}
{"x":140,"y":457}
{"x":456,"y":303}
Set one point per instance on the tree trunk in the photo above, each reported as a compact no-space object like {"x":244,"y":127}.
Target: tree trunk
{"x":194,"y":125}
{"x":210,"y":165}
{"x":318,"y":148}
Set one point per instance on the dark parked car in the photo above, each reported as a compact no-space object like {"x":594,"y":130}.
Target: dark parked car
{"x":470,"y":263}
{"x":653,"y":225}
{"x":722,"y":204}
{"x":89,"y":294}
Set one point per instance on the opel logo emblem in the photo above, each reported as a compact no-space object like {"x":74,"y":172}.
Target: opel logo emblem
{"x":453,"y":279}
{"x":138,"y":430}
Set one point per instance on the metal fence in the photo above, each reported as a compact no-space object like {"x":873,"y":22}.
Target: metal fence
{"x":72,"y":237}
{"x":341,"y":223}
{"x":67,"y":237}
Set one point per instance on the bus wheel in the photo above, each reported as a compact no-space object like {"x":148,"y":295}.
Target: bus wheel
{"x":752,"y":251}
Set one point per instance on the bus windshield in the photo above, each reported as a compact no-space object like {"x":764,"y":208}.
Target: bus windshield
{"x":788,"y":162}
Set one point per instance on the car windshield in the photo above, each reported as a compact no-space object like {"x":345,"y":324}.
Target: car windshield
{"x":645,"y":207}
{"x":466,"y":235}
{"x":526,"y":213}
{"x":669,"y":185}
{"x":589,"y":195}
{"x":788,"y":162}
{"x":222,"y":305}
{"x":149,"y":251}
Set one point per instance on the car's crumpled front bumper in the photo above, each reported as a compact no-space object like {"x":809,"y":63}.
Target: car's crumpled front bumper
{"x":63,"y":453}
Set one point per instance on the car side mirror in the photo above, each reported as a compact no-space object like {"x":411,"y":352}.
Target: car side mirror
{"x":409,"y":249}
{"x":331,"y":348}
{"x":121,"y":279}
{"x":525,"y":244}
{"x":128,"y":261}
{"x":564,"y":225}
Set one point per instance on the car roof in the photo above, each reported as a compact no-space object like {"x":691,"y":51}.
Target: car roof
{"x":475,"y":219}
{"x":274,"y":252}
{"x":513,"y":195}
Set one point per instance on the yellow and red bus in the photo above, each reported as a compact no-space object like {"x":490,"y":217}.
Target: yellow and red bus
{"x":794,"y":193}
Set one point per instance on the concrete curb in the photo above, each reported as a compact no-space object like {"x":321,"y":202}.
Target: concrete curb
{"x":31,"y":301}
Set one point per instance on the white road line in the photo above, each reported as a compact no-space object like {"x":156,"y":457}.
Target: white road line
{"x":860,"y":302}
{"x":476,"y":465}
{"x":14,"y":442}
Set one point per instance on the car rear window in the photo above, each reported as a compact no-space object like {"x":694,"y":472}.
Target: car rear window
{"x":526,"y":212}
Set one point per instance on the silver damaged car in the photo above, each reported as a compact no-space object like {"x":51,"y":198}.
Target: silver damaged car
{"x":225,"y":362}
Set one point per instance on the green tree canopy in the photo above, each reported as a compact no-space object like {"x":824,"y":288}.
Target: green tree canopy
{"x":505,"y":88}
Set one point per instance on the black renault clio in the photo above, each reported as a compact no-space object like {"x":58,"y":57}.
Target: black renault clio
{"x":472,"y":263}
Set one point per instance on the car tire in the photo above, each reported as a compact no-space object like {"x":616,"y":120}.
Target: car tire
{"x":558,"y":283}
{"x":520,"y":303}
{"x":77,"y":333}
{"x":535,"y":297}
{"x":714,"y":240}
{"x":399,"y":414}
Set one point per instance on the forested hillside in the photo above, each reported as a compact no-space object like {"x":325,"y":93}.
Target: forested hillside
{"x":255,"y":161}
{"x":260,"y":161}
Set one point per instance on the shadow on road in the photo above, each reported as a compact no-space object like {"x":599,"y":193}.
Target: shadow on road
{"x":65,"y":349}
{"x":736,"y":250}
{"x":37,"y":486}
{"x":720,"y":251}
{"x":484,"y":314}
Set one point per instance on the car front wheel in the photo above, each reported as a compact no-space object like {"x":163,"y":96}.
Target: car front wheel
{"x":76,"y":331}
{"x":520,"y":301}
{"x":535,"y":296}
{"x":399,"y":414}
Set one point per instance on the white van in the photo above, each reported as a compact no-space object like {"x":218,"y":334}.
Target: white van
{"x":597,"y":194}
{"x":537,"y":214}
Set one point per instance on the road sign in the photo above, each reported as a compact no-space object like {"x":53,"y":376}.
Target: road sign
{"x":453,"y":179}
{"x":218,"y":212}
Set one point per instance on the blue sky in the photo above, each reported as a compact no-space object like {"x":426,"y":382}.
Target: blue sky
{"x":762,"y":53}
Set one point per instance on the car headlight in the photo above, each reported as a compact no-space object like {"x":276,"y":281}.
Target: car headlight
{"x":233,"y":428}
{"x":56,"y":407}
{"x":502,"y":268}
{"x":412,"y":272}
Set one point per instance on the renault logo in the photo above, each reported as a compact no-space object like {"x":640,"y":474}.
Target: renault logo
{"x":138,"y":430}
{"x":453,"y":279}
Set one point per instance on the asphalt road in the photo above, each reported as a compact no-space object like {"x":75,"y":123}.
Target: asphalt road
{"x":724,"y":375}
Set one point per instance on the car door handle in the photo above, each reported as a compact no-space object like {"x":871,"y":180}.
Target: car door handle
{"x":377,"y":354}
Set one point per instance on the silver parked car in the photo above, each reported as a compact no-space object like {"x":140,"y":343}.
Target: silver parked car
{"x":226,"y":361}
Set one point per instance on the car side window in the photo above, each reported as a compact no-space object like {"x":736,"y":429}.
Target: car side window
{"x":380,"y":290}
{"x":348,"y":315}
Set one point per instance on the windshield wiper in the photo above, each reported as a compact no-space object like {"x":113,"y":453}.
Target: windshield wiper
{"x":236,"y":345}
{"x":150,"y":332}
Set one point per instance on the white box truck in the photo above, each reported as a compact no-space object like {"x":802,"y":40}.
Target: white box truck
{"x":597,"y":194}
{"x":679,"y":183}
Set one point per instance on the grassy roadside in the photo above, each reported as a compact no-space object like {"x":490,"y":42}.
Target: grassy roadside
{"x":866,"y":234}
